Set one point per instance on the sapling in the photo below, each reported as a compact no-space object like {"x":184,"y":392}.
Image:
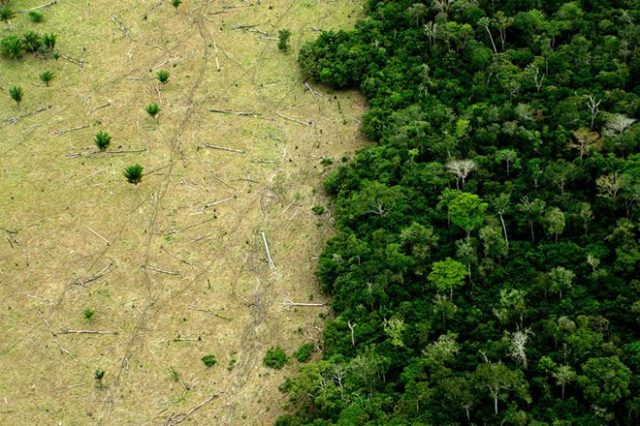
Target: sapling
{"x":102,"y":140}
{"x":99,"y":375}
{"x":6,"y":14}
{"x":49,"y":41}
{"x":152,"y":109}
{"x":163,"y":76}
{"x":176,"y":3}
{"x":16,"y":94}
{"x":88,"y":314}
{"x":31,"y":41}
{"x":46,"y":77}
{"x":133,"y":173}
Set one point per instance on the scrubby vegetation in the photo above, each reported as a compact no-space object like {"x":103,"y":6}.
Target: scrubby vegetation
{"x":275,"y":358}
{"x":485,"y":267}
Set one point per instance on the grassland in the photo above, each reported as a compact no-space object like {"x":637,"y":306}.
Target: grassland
{"x":175,"y":267}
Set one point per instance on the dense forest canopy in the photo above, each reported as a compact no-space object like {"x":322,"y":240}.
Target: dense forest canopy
{"x":486,"y":264}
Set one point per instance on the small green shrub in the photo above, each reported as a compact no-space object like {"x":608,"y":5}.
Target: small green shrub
{"x":275,"y":358}
{"x":88,"y":314}
{"x":102,"y":140}
{"x":46,"y":77}
{"x":209,"y":360}
{"x":176,"y":3}
{"x":152,"y":109}
{"x":16,"y":94}
{"x":133,"y":173}
{"x":99,"y":375}
{"x":36,"y":16}
{"x":31,"y":41}
{"x":283,"y":40}
{"x":11,"y":47}
{"x":326,"y":161}
{"x":6,"y":14}
{"x":303,"y":354}
{"x":163,"y":76}
{"x":49,"y":41}
{"x":318,"y":210}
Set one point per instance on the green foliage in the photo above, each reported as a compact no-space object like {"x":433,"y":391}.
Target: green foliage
{"x":36,"y":16}
{"x":16,"y":94}
{"x":31,"y":41}
{"x":176,"y":3}
{"x":11,"y":47}
{"x":283,"y":40}
{"x":304,"y":352}
{"x":6,"y":13}
{"x":46,"y":77}
{"x":318,"y":210}
{"x":209,"y":360}
{"x":133,"y":173}
{"x":163,"y":76}
{"x":49,"y":41}
{"x":152,"y":109}
{"x":275,"y":358}
{"x":88,"y":314}
{"x":102,"y":140}
{"x":98,"y":374}
{"x":504,"y":167}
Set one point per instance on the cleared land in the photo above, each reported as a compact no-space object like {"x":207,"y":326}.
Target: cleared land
{"x":175,"y":268}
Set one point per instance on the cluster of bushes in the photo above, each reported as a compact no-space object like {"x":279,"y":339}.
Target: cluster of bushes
{"x":14,"y":47}
{"x":485,"y":266}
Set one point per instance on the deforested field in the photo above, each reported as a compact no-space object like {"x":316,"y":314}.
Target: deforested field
{"x":142,"y":281}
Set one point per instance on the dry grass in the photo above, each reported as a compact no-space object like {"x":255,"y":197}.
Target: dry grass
{"x":181,"y":254}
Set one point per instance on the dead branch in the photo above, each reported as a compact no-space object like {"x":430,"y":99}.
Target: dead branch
{"x":222,"y":148}
{"x":186,"y":339}
{"x":72,"y":331}
{"x":215,"y":203}
{"x":223,"y":182}
{"x":314,"y":92}
{"x":162,"y":271}
{"x":304,"y":123}
{"x":44,"y":6}
{"x":215,"y":51}
{"x":72,"y":129}
{"x":53,"y":333}
{"x":266,"y":249}
{"x":78,"y":62}
{"x":14,"y":120}
{"x":98,"y":235}
{"x":122,"y":27}
{"x":288,"y":303}
{"x":84,"y":281}
{"x":239,"y":113}
{"x":208,"y":311}
{"x":175,"y":419}
{"x":99,"y":153}
{"x":251,"y":29}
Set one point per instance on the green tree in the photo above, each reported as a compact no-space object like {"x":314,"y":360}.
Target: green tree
{"x":447,"y":275}
{"x":499,"y":381}
{"x":554,"y":222}
{"x":533,"y":212}
{"x":605,"y":381}
{"x":560,"y":279}
{"x":467,"y":211}
{"x":46,"y":77}
{"x":11,"y":47}
{"x":102,"y":140}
